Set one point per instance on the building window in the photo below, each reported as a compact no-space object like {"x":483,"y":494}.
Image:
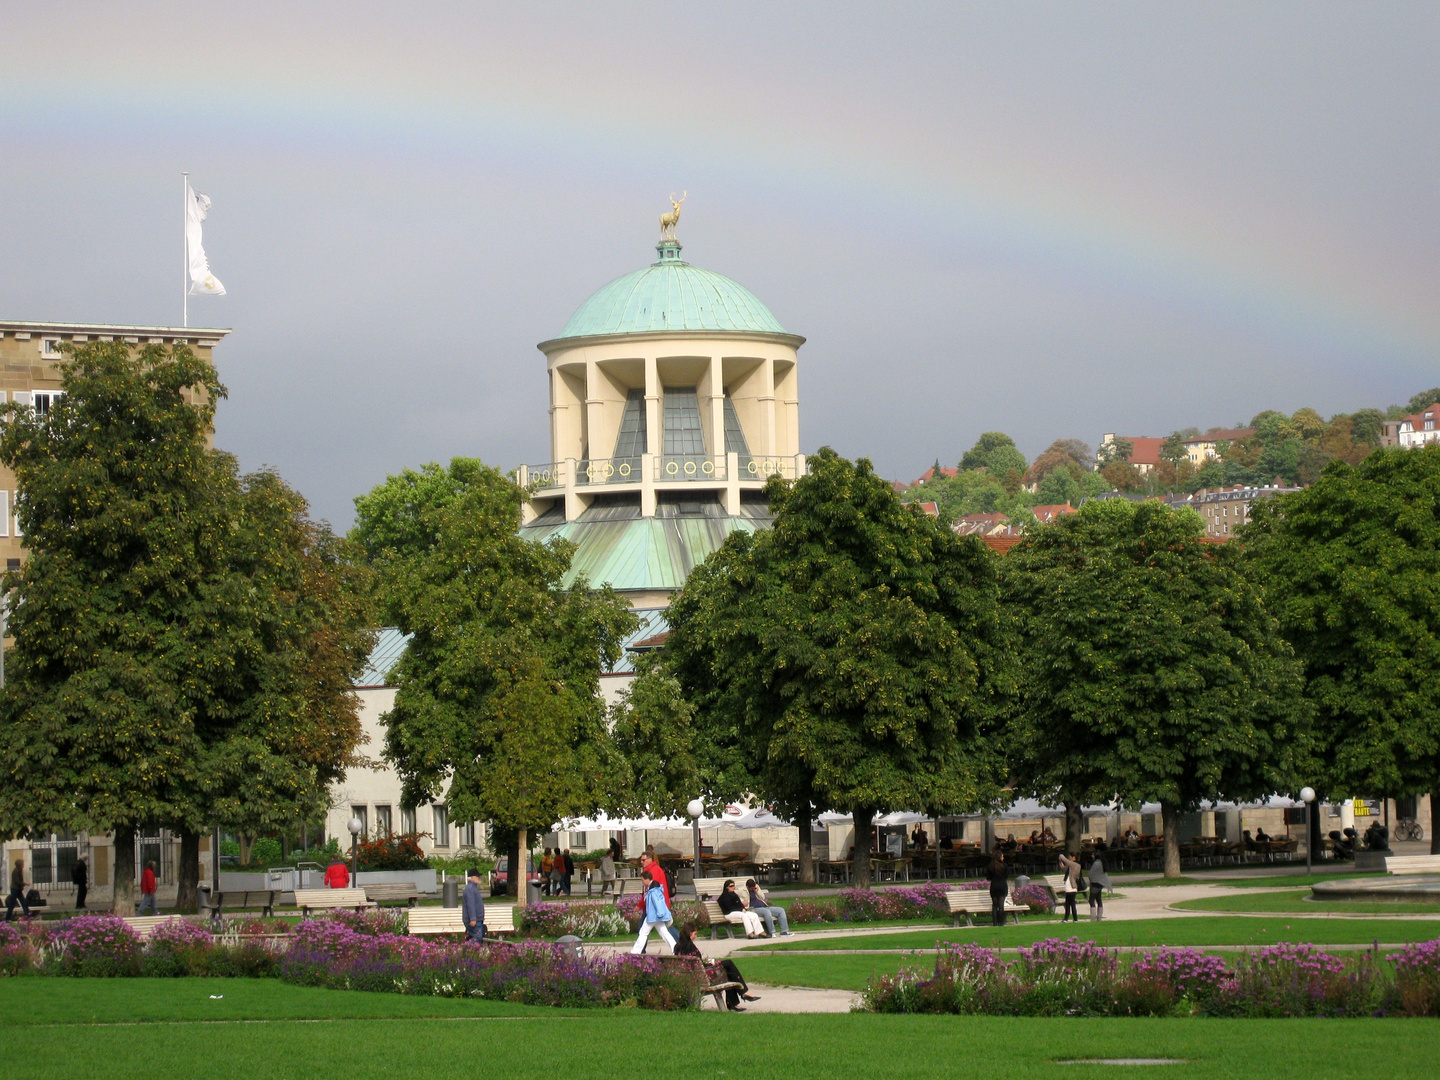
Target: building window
{"x":407,"y":820}
{"x":442,"y":826}
{"x":42,"y":400}
{"x":363,"y":813}
{"x":5,"y":517}
{"x":683,"y":433}
{"x":467,"y":834}
{"x":734,"y":435}
{"x":382,"y":821}
{"x":631,"y":442}
{"x":50,"y":348}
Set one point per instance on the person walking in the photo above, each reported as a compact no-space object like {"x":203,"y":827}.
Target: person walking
{"x":686,"y":947}
{"x":80,"y":875}
{"x":472,"y":907}
{"x":654,"y":916}
{"x":616,"y":851}
{"x":769,"y":914}
{"x":1071,"y":869}
{"x":567,"y":871}
{"x":547,"y":872}
{"x":998,"y":874}
{"x":337,"y":874}
{"x":16,"y":895}
{"x":147,"y":890}
{"x":648,"y":862}
{"x":1099,"y":882}
{"x":734,"y":911}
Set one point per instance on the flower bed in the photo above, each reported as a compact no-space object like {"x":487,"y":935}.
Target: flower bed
{"x":351,"y":951}
{"x":586,"y":919}
{"x":685,"y":912}
{"x":1077,"y":978}
{"x":879,"y":905}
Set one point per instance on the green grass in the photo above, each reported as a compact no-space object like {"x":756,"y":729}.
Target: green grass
{"x":1298,"y":901}
{"x":1219,"y":930}
{"x":46,"y":1020}
{"x":844,"y":971}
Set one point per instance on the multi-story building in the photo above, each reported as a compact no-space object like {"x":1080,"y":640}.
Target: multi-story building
{"x":1226,"y":509}
{"x":1144,"y":449}
{"x":1420,"y":429}
{"x":1202,"y":448}
{"x":31,"y":361}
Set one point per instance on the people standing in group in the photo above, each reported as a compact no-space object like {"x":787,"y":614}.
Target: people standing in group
{"x":686,"y":947}
{"x":148,"y":905}
{"x":337,"y":875}
{"x":1099,"y":882}
{"x":567,"y":870}
{"x":1071,"y":869}
{"x":16,"y":895}
{"x":735,"y":912}
{"x":655,"y":915}
{"x":769,"y":913}
{"x":919,"y":838}
{"x":472,"y":907}
{"x":80,"y":875}
{"x":998,"y":875}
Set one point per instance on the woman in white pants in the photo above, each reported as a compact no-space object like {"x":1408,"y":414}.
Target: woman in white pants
{"x":656,"y":916}
{"x":734,"y":910}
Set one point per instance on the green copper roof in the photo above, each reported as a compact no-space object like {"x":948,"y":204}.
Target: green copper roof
{"x":641,"y":553}
{"x":671,"y":295}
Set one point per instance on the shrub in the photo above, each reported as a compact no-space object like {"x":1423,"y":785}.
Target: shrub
{"x":684,"y":912}
{"x":174,"y":950}
{"x":399,"y":852}
{"x":97,"y":946}
{"x":1417,"y":978}
{"x":1037,"y":897}
{"x":586,"y":919}
{"x":1188,"y":973}
{"x":869,"y":905}
{"x":1301,"y":980}
{"x":813,"y":911}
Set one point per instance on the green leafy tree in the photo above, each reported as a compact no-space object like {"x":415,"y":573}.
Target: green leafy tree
{"x":174,"y":633}
{"x":498,"y":705}
{"x":1350,"y":567}
{"x":1173,"y":449}
{"x":1422,"y":400}
{"x":995,"y":452}
{"x":1115,"y":451}
{"x":1150,"y":670}
{"x":854,"y":652}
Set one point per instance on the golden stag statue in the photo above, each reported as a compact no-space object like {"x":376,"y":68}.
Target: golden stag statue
{"x":670,"y":220}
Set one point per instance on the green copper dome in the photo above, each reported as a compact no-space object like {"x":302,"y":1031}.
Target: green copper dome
{"x":671,"y":295}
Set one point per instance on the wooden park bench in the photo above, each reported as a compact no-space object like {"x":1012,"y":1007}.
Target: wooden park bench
{"x":308,"y":900}
{"x":716,"y":982}
{"x":397,"y":893}
{"x":967,"y":903}
{"x":435,"y":920}
{"x":1412,"y":864}
{"x":712,"y":887}
{"x":144,"y":925}
{"x":237,"y":900}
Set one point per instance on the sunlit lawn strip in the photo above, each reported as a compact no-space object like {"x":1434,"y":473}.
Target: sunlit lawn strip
{"x":1299,"y":901}
{"x":658,"y":1046}
{"x":1219,"y":930}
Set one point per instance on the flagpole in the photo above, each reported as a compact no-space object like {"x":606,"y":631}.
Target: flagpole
{"x":184,"y":251}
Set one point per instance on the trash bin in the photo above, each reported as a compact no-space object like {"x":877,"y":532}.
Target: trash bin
{"x":450,"y":894}
{"x":1020,"y":881}
{"x":570,"y":945}
{"x":532,"y":892}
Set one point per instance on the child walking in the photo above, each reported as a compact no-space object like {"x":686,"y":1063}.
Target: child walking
{"x":656,"y":915}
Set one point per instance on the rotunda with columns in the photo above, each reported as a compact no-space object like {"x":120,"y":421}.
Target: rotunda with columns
{"x":673,"y":398}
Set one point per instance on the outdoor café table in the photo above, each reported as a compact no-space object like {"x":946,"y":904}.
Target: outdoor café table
{"x":893,"y":867}
{"x":830,"y":869}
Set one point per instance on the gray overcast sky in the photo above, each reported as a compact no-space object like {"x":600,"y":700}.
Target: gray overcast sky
{"x":1049,"y":219}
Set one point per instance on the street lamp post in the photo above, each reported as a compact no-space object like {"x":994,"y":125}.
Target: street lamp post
{"x":695,"y":808}
{"x":355,"y":826}
{"x":1307,"y":796}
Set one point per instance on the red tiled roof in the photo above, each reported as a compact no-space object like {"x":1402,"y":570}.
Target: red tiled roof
{"x":933,"y":509}
{"x":930,"y":474}
{"x":1417,"y":422}
{"x":1001,"y":544}
{"x":1045,"y":514}
{"x":1147,"y":450}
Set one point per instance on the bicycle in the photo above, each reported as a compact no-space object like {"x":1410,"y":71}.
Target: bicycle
{"x":1409,"y":829}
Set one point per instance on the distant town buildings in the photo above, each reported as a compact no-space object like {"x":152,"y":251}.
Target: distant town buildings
{"x":991,"y":524}
{"x":1417,"y":430}
{"x":1226,"y":509}
{"x":1144,"y":453}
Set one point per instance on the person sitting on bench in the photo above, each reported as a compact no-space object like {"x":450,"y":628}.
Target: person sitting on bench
{"x":686,"y":947}
{"x":733,"y":908}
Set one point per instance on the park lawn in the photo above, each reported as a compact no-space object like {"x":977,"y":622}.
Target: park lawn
{"x":843,"y":971}
{"x":255,"y":1044}
{"x":1219,"y":930}
{"x":1298,"y":900}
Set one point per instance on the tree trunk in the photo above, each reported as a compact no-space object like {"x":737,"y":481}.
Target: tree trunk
{"x":518,"y":875}
{"x":864,"y":833}
{"x":1170,"y":823}
{"x":807,"y":851}
{"x":1313,"y":843}
{"x":1074,"y":827}
{"x":187,"y":876}
{"x":124,"y":870}
{"x":1435,"y":823}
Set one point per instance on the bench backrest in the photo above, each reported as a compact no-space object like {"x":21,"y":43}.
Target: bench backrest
{"x":391,"y":891}
{"x":714,"y":886}
{"x":329,"y":897}
{"x":1413,"y":864}
{"x":144,"y":925}
{"x":436,"y":920}
{"x":968,"y":900}
{"x":500,"y":918}
{"x":713,"y":912}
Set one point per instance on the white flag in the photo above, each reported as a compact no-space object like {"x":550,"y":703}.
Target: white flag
{"x":202,"y":282}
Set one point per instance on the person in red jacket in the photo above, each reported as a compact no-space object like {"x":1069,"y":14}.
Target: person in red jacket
{"x":337,"y":876}
{"x":648,"y":862}
{"x":147,"y":891}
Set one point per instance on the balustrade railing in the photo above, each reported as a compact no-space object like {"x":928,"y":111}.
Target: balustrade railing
{"x":691,"y":467}
{"x":626,"y":470}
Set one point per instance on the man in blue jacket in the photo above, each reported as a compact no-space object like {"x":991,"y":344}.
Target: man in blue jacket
{"x":472,"y":907}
